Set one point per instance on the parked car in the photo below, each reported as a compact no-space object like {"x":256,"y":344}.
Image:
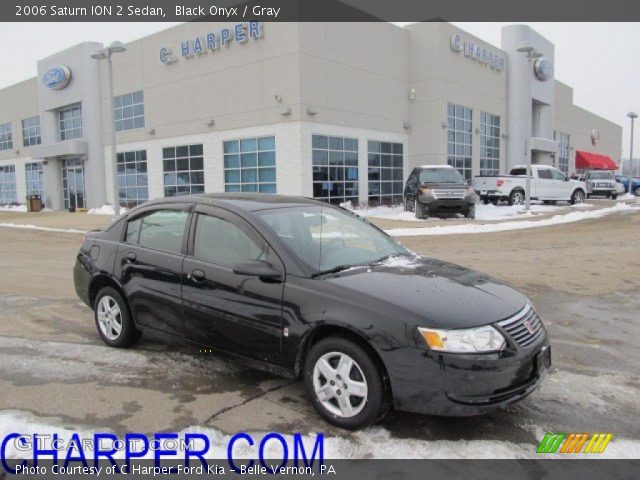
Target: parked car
{"x":547,"y":184}
{"x":624,"y":181}
{"x":306,"y":289}
{"x":600,"y":183}
{"x":432,"y":189}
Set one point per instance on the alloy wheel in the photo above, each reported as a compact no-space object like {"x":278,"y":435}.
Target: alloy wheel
{"x":339,"y":384}
{"x":109,"y":317}
{"x":518,"y":198}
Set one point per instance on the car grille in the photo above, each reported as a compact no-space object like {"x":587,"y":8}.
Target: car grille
{"x":516,"y":326}
{"x":448,"y":193}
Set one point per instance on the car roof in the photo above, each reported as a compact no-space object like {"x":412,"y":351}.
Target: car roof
{"x":244,"y":201}
{"x":435,"y":166}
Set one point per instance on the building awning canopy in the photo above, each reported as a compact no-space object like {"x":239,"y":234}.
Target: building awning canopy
{"x":594,"y":161}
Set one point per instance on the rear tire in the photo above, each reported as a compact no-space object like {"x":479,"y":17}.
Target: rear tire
{"x":614,"y":196}
{"x":516,"y":197}
{"x":362,"y":402}
{"x":113,"y":320}
{"x":636,"y":191}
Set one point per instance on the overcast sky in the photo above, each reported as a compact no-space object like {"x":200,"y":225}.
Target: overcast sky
{"x":601,"y":61}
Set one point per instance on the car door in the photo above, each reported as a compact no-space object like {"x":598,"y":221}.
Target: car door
{"x":562,"y":189}
{"x":544,"y":185}
{"x":236,"y":313}
{"x":149,"y":266}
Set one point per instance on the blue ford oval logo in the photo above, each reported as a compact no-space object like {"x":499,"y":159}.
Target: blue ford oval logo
{"x":57,"y":78}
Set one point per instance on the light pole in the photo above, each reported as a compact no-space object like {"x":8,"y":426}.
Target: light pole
{"x":105,"y":54}
{"x":632,"y":116}
{"x":532,"y":54}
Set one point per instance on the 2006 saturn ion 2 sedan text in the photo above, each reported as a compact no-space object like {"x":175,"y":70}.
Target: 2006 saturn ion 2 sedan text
{"x":308,"y":289}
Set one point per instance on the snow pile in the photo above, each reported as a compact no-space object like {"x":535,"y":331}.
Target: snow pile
{"x":517,"y":225}
{"x":42,"y":229}
{"x":488,"y":212}
{"x":13,"y":208}
{"x":399,"y":261}
{"x":104,"y":210}
{"x":375,"y":442}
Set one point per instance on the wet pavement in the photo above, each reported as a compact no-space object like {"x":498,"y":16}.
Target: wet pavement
{"x":54,"y":365}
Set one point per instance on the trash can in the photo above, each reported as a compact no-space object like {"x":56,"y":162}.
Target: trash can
{"x":34,"y":203}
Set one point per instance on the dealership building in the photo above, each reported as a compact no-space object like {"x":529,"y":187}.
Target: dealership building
{"x":336,"y":111}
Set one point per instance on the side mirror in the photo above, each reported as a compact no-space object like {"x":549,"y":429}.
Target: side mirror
{"x":257,"y":268}
{"x":566,"y":179}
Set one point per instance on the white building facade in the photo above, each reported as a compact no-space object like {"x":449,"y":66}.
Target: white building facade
{"x":336,"y":111}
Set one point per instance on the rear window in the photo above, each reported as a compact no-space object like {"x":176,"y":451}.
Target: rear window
{"x":518,"y":171}
{"x":441,"y":175}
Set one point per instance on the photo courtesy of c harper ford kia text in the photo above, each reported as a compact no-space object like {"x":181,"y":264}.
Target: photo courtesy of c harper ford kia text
{"x":289,"y":238}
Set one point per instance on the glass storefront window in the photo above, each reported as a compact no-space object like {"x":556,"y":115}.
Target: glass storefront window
{"x":70,"y":122}
{"x":335,"y":168}
{"x":34,"y":178}
{"x":6,"y":137}
{"x":31,"y":131}
{"x":73,"y":182}
{"x":489,"y":144}
{"x":183,"y":170}
{"x":128,"y":111}
{"x":385,"y":161}
{"x":132,"y":178}
{"x":250,"y":165}
{"x":564,"y":146}
{"x":459,"y":139}
{"x":8,"y":191}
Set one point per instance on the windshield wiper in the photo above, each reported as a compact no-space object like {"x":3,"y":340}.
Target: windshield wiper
{"x":336,"y":269}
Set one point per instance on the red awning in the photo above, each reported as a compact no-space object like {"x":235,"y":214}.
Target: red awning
{"x":594,"y":161}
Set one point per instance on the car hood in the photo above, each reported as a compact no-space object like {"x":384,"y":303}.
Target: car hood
{"x":437,"y":294}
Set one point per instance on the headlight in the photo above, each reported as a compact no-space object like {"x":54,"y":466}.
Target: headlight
{"x":471,"y":340}
{"x":426,"y":191}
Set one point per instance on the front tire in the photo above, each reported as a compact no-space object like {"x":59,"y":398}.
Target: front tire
{"x":344,"y":383}
{"x":614,"y":196}
{"x":420,"y":209}
{"x":471,"y":213}
{"x":113,"y":320}
{"x":408,"y":206}
{"x":636,"y":191}
{"x":577,"y":196}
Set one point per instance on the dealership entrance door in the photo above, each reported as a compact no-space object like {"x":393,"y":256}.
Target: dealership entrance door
{"x":73,"y":183}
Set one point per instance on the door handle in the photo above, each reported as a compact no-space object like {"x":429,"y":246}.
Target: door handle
{"x":131,"y":256}
{"x":197,"y":276}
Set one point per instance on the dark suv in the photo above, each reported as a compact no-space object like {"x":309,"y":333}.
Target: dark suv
{"x":432,"y":189}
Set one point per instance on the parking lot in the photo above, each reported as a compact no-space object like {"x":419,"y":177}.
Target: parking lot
{"x":583,"y":277}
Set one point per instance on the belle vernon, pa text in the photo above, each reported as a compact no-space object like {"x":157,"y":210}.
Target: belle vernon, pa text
{"x":255,"y":11}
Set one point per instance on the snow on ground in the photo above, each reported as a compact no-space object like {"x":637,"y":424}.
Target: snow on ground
{"x":13,"y":208}
{"x":517,"y":225}
{"x":104,"y":210}
{"x":374,"y":442}
{"x":43,"y":229}
{"x":483,"y":212}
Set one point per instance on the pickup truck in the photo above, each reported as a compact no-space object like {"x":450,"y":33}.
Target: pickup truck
{"x":547,"y":184}
{"x":600,"y":182}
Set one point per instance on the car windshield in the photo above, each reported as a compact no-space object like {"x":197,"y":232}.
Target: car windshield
{"x":441,"y":175}
{"x":601,"y":175}
{"x":326,"y":238}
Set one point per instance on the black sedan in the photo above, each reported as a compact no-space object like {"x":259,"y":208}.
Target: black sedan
{"x":308,"y":289}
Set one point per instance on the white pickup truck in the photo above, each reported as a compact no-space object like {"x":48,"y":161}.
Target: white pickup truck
{"x":547,"y":184}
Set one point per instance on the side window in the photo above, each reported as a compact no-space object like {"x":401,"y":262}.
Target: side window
{"x":557,"y":174}
{"x":133,"y":228}
{"x":163,"y":230}
{"x":544,"y":174}
{"x":220,"y":241}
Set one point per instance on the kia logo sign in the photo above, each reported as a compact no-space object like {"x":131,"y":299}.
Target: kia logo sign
{"x":57,"y":78}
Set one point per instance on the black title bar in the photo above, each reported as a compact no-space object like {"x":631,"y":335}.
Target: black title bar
{"x":317,"y":10}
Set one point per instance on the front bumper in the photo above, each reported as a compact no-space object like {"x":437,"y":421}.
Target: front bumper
{"x":447,"y":204}
{"x":470,"y":384}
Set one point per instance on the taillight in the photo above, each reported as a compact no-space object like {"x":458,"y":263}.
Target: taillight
{"x":499,"y":182}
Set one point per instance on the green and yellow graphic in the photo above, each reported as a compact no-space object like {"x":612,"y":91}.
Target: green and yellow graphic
{"x":574,"y":443}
